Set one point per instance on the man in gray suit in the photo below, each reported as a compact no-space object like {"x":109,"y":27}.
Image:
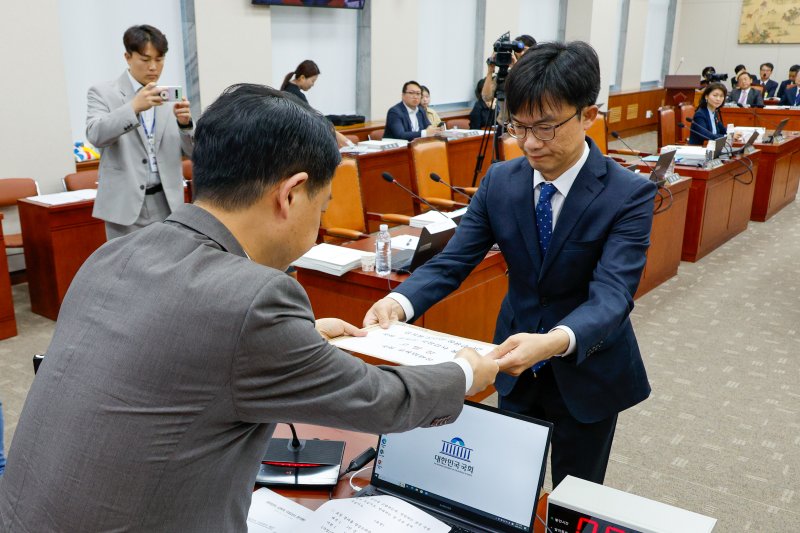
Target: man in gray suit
{"x":141,"y":140}
{"x":744,"y":95}
{"x":179,"y":347}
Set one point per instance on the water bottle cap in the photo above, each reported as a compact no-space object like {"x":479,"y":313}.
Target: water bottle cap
{"x":384,"y":227}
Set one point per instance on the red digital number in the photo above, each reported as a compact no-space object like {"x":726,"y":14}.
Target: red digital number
{"x":583,"y":525}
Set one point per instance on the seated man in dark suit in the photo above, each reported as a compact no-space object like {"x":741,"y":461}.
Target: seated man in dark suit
{"x":744,"y":95}
{"x":793,"y":70}
{"x":407,"y":120}
{"x":573,"y":227}
{"x":791,"y":96}
{"x":180,"y":346}
{"x":770,"y":86}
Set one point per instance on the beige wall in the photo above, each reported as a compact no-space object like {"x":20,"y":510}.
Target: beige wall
{"x":233,"y":45}
{"x":634,"y":45}
{"x":719,"y":47}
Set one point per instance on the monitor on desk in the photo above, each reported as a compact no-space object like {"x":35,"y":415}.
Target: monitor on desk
{"x":777,"y":134}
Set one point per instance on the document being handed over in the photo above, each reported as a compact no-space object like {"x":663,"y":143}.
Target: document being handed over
{"x":409,"y":345}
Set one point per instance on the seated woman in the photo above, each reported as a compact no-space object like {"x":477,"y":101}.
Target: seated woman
{"x":707,"y":121}
{"x":433,"y":116}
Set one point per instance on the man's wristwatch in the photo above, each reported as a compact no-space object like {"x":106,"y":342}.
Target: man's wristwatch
{"x":188,"y":126}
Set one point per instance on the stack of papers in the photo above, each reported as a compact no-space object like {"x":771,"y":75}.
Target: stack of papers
{"x":60,"y":198}
{"x":331,"y":259}
{"x":460,"y":134}
{"x":687,"y":155}
{"x":431,"y":217}
{"x":385,"y":144}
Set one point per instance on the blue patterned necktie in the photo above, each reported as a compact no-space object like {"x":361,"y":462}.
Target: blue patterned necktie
{"x":544,"y":215}
{"x":544,"y":222}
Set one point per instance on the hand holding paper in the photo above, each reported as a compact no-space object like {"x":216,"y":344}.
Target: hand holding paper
{"x":384,"y":312}
{"x":521,"y":351}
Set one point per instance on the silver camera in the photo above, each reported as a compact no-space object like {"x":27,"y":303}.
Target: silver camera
{"x":171,"y":93}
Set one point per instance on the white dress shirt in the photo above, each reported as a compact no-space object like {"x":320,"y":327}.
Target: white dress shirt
{"x":412,"y":115}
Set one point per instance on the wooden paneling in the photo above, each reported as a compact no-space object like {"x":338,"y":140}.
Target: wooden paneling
{"x":462,"y":157}
{"x":379,"y":195}
{"x":628,"y":110}
{"x":8,"y":322}
{"x":763,"y":118}
{"x":777,"y":177}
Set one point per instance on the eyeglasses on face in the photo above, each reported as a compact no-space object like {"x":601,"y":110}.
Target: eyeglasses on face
{"x":543,"y":132}
{"x":414,"y":93}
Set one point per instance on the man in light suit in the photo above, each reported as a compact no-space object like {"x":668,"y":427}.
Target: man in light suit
{"x":179,"y":347}
{"x":744,"y":95}
{"x":141,"y":139}
{"x":573,"y":227}
{"x":407,"y":119}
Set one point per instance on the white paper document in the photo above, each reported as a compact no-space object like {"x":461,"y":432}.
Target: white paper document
{"x":409,"y":345}
{"x":272,"y":513}
{"x":60,"y":198}
{"x":405,"y":242}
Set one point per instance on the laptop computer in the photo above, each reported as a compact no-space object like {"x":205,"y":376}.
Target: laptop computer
{"x":481,"y":473}
{"x":750,"y":141}
{"x":432,"y":240}
{"x":659,"y":172}
{"x":777,"y":133}
{"x":719,"y":146}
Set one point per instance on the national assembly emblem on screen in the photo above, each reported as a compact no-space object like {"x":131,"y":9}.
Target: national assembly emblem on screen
{"x":455,"y":455}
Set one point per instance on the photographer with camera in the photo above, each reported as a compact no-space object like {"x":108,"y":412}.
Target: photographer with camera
{"x":709,"y":75}
{"x":518,"y":47}
{"x":141,"y":141}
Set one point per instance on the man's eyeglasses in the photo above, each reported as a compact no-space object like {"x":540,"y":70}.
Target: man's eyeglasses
{"x":543,"y":132}
{"x":414,"y":93}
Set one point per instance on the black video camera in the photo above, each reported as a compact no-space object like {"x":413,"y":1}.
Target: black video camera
{"x":503,"y":48}
{"x":713,"y":76}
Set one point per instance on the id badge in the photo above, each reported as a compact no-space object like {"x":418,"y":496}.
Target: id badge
{"x":151,"y":155}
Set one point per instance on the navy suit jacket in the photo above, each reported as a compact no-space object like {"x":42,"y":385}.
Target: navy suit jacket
{"x":398,"y":125}
{"x":769,"y":88}
{"x":701,"y":127}
{"x":782,"y":87}
{"x":586,"y":281}
{"x":789,"y":96}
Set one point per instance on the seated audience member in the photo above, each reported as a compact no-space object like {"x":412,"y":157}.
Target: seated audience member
{"x":736,"y":72}
{"x":433,"y":116}
{"x":407,"y":120}
{"x":706,"y":74}
{"x":180,"y":346}
{"x":303,"y":79}
{"x":789,"y":81}
{"x":744,"y":95}
{"x":791,"y":96}
{"x":481,"y":115}
{"x":490,"y":82}
{"x":707,"y":122}
{"x":770,"y":86}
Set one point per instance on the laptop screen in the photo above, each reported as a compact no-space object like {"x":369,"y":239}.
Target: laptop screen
{"x":662,"y":166}
{"x":486,"y":468}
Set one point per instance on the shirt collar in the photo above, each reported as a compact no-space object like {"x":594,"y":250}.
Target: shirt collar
{"x":410,"y":111}
{"x":135,"y":84}
{"x":564,"y":182}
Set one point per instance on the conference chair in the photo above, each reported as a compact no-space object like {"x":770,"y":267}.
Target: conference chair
{"x":376,"y":135}
{"x":345,"y":218}
{"x":598,"y":133}
{"x":685,"y":112}
{"x":666,"y":126}
{"x":509,"y":149}
{"x":80,"y":180}
{"x":697,"y":96}
{"x":187,"y":169}
{"x":457,"y":123}
{"x":11,"y":190}
{"x":430,"y":156}
{"x":353,"y":138}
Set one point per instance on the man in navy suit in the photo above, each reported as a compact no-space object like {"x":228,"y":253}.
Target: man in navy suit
{"x":770,"y":86}
{"x":407,"y":120}
{"x":790,"y":96}
{"x":573,"y":227}
{"x":789,"y":81}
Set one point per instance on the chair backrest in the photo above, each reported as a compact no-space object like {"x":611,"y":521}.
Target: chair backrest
{"x":353,"y":138}
{"x":346,"y":208}
{"x":12,"y":189}
{"x":187,"y":169}
{"x":686,"y":111}
{"x":666,"y":126}
{"x":376,"y":135}
{"x":597,"y":132}
{"x":509,"y":148}
{"x":759,"y":88}
{"x":430,"y":156}
{"x":460,"y":123}
{"x":697,"y":96}
{"x":80,"y":180}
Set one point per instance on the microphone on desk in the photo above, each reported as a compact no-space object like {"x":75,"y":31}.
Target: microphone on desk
{"x":708,"y":135}
{"x":295,"y":462}
{"x":388,"y":177}
{"x":748,"y":167}
{"x":618,"y":137}
{"x":435,"y":177}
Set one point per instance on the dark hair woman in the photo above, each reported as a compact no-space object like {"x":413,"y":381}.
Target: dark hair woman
{"x":302,"y":79}
{"x":707,"y":121}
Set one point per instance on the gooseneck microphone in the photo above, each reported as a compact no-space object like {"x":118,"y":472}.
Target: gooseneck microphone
{"x":658,"y":210}
{"x":388,"y":177}
{"x":435,"y":177}
{"x":748,"y":167}
{"x":618,"y":137}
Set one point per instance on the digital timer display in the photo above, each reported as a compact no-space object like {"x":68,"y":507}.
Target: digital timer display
{"x":563,"y":520}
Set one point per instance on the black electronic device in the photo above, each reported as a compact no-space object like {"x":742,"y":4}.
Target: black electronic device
{"x":301,"y":463}
{"x":430,"y":243}
{"x":777,"y":134}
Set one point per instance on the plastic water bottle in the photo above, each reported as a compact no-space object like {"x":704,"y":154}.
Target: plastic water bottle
{"x":383,"y":252}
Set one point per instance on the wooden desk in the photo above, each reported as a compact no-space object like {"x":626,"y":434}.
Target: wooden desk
{"x":462,"y":155}
{"x":720,"y":201}
{"x":355,"y":443}
{"x":8,"y":323}
{"x":470,"y":311}
{"x":763,"y":118}
{"x":364,"y":129}
{"x":57,"y":240}
{"x":666,"y":238}
{"x":778,"y":177}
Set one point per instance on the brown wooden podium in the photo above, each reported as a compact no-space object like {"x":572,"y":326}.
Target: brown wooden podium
{"x":680,"y":88}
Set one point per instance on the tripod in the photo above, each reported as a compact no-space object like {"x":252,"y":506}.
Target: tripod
{"x":499,"y":98}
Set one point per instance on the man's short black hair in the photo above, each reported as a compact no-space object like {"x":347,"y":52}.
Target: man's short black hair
{"x":252,"y":138}
{"x":137,"y":37}
{"x":412,"y":82}
{"x":770,"y":65}
{"x":527,"y":40}
{"x":552,"y":74}
{"x":794,"y":68}
{"x":739,"y":67}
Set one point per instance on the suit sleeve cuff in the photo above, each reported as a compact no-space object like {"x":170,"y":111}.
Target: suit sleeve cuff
{"x":571,"y":348}
{"x":404,"y":302}
{"x":468,"y":375}
{"x":423,"y":133}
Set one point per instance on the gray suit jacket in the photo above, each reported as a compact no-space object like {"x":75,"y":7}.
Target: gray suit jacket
{"x":754,"y":97}
{"x":113,"y":127}
{"x":173,"y":357}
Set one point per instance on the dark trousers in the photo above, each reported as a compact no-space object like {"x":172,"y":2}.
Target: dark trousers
{"x":579,"y":450}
